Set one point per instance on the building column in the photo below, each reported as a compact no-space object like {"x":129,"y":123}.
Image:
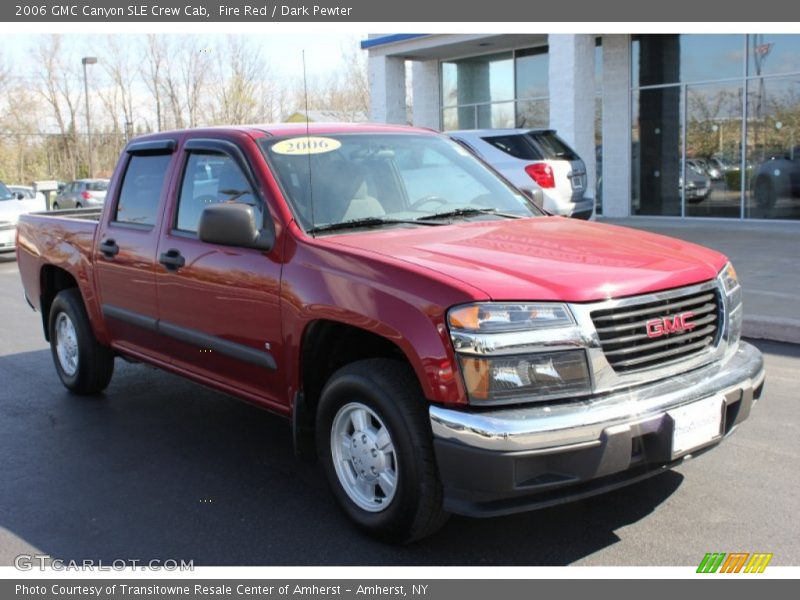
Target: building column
{"x":572,"y":96}
{"x":387,"y":85}
{"x":425,"y":93}
{"x":616,"y":125}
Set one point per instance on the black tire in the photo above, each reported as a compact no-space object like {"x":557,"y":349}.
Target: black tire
{"x":55,"y":206}
{"x":78,"y":205}
{"x":95,"y":363}
{"x":390,"y":389}
{"x":765,"y":193}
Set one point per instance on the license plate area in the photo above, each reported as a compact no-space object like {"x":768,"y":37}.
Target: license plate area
{"x":696,"y":424}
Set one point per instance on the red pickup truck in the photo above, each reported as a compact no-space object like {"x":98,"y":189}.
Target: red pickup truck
{"x":437,"y":341}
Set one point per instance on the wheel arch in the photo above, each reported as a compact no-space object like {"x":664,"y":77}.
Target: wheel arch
{"x":325,"y":347}
{"x":52,"y":280}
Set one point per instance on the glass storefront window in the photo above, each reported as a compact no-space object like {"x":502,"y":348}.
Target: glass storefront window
{"x":656,"y":152}
{"x":773,"y":148}
{"x":532,"y":73}
{"x":533,"y":113}
{"x":479,"y":79}
{"x":694,"y":96}
{"x":682,"y":58}
{"x":502,"y":90}
{"x":769,"y":54}
{"x":713,"y":150}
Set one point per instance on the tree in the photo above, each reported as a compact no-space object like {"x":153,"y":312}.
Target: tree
{"x":57,"y":86}
{"x":151,"y":71}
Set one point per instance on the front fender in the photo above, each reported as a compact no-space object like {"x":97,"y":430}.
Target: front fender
{"x":383,"y":297}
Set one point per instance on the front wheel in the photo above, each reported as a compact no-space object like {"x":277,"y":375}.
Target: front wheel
{"x":83,"y":365}
{"x":375,"y":443}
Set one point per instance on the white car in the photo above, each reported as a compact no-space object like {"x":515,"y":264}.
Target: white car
{"x":29,"y":193}
{"x":12,"y":205}
{"x":534,"y":159}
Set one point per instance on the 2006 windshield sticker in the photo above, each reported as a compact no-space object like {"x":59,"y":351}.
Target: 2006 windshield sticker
{"x":306,"y":145}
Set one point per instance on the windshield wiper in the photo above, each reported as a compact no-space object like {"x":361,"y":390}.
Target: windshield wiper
{"x":367,"y":222}
{"x":470,"y":212}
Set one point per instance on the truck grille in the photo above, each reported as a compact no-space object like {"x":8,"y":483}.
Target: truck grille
{"x":623,"y":331}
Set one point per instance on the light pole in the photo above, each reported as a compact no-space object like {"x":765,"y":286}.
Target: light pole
{"x":88,"y":60}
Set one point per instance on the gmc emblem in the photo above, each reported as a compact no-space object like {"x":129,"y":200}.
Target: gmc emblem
{"x":666,"y":325}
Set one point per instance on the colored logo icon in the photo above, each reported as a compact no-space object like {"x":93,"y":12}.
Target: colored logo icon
{"x":734,"y":562}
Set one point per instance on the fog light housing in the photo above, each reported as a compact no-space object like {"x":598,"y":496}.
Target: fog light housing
{"x":526,"y":377}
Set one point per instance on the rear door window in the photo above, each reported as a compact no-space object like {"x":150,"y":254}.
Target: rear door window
{"x":534,"y":145}
{"x":551,"y":146}
{"x":142,"y":188}
{"x":518,"y":146}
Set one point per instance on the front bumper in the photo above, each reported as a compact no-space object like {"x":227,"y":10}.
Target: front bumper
{"x":515,"y":459}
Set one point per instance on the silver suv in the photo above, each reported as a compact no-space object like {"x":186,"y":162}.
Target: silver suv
{"x":534,"y":159}
{"x":82,"y":193}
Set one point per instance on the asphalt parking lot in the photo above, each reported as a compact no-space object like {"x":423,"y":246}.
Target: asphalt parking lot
{"x":161,"y":468}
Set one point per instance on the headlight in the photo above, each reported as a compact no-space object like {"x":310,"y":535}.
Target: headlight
{"x":500,"y":317}
{"x":730,"y":281}
{"x":518,"y":352}
{"x":528,"y":377}
{"x":733,"y":298}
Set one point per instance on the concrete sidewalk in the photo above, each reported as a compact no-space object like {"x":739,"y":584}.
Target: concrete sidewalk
{"x":766,"y":257}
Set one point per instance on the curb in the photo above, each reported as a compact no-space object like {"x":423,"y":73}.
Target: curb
{"x":774,"y":329}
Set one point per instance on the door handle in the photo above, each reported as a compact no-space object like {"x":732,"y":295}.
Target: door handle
{"x":109,"y":248}
{"x":172,"y":259}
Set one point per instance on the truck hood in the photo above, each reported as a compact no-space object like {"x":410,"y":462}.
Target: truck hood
{"x":546,"y":258}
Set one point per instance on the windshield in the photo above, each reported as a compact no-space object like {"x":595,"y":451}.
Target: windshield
{"x":387,"y":177}
{"x":5,"y":193}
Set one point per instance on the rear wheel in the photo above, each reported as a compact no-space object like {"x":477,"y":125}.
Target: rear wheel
{"x":375,"y":443}
{"x":78,"y":205}
{"x":83,"y":365}
{"x":55,"y":206}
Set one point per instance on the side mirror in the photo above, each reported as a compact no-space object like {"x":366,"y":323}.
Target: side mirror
{"x":234,"y":224}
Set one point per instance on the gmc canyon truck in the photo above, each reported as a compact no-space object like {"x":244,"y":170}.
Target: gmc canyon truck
{"x":438,"y":343}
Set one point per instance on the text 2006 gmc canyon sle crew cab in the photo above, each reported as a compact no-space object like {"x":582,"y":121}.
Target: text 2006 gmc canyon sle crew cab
{"x":438,"y":342}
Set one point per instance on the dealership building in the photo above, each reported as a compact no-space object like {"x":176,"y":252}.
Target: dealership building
{"x":682,"y":125}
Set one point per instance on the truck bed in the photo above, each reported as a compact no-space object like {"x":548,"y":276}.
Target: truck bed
{"x":62,"y":240}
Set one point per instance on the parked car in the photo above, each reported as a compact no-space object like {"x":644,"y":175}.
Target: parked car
{"x":439,"y":343}
{"x":12,"y":205}
{"x":82,"y":193}
{"x":777,"y":177}
{"x":723,"y":166}
{"x":535,"y":159}
{"x":29,"y":194}
{"x":698,"y":184}
{"x":706,"y":167}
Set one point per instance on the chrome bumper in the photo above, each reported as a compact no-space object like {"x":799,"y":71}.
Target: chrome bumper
{"x":564,"y":427}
